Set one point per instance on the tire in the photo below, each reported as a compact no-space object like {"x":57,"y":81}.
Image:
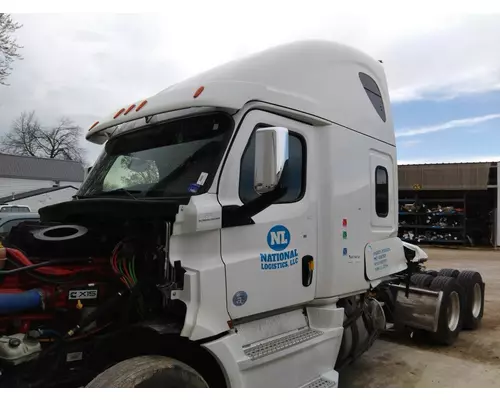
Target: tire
{"x":421,"y":280}
{"x":450,"y":315}
{"x":149,"y":372}
{"x":431,"y":273}
{"x":472,"y":312}
{"x":449,"y":272}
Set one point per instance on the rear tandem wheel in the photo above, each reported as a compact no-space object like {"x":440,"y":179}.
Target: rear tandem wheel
{"x":473,"y":309}
{"x":450,"y":315}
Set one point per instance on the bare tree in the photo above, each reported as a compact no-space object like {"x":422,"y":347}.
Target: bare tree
{"x":8,"y":46}
{"x":62,"y":141}
{"x":28,"y":137}
{"x":21,"y":139}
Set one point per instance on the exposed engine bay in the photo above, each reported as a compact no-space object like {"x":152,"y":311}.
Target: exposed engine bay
{"x":65,"y":286}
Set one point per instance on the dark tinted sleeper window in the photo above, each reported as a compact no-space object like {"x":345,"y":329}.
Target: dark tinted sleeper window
{"x":293,"y":175}
{"x":381,"y":192}
{"x":373,"y":92}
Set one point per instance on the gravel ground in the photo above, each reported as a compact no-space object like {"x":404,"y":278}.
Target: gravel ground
{"x":474,"y":359}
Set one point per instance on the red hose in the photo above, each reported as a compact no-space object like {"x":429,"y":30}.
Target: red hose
{"x":59,"y":270}
{"x":19,"y":256}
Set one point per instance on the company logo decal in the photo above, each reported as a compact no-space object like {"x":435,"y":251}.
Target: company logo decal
{"x":82,"y":294}
{"x":278,"y":240}
{"x":240,"y":298}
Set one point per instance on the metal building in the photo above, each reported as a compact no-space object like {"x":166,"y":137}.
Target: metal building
{"x":449,"y":204}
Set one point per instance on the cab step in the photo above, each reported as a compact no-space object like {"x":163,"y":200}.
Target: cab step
{"x":303,"y":347}
{"x":272,"y":346}
{"x":328,"y":380}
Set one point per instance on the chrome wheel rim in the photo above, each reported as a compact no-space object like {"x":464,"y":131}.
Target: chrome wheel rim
{"x":453,"y":311}
{"x":477,"y":300}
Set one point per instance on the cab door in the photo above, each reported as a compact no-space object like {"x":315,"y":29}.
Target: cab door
{"x":268,"y":260}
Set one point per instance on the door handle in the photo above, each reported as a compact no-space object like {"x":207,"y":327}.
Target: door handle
{"x":307,"y":270}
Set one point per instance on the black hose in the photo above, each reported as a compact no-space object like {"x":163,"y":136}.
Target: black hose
{"x":412,"y":267}
{"x":69,"y":261}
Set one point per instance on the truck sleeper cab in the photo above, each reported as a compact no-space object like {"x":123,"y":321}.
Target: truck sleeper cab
{"x":306,"y":246}
{"x":275,"y":177}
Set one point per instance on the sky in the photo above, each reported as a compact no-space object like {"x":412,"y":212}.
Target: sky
{"x":443,"y":70}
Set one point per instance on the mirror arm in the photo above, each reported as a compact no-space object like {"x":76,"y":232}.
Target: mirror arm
{"x":242,"y":215}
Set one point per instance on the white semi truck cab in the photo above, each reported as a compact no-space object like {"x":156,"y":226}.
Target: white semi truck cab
{"x":259,"y":202}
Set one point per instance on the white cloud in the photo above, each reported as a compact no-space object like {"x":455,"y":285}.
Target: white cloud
{"x":409,"y":143}
{"x":454,"y":60}
{"x":86,"y":65}
{"x":476,"y":81}
{"x":457,"y":123}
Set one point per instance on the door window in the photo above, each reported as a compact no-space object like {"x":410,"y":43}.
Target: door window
{"x":293,"y":174}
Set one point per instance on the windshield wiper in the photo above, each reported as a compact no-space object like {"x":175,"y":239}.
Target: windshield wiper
{"x":114,"y":192}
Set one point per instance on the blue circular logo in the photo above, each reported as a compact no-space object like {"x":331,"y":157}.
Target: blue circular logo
{"x":278,"y":238}
{"x":240,"y":298}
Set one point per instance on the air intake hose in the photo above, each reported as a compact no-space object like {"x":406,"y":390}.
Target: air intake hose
{"x":22,"y":301}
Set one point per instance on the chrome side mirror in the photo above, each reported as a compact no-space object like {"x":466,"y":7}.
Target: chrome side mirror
{"x":271,"y":154}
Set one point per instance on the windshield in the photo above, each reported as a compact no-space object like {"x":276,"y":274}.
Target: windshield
{"x":177,"y":158}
